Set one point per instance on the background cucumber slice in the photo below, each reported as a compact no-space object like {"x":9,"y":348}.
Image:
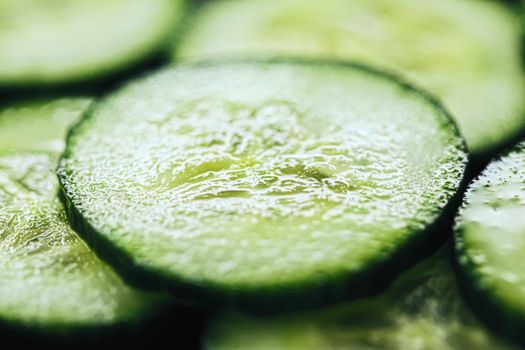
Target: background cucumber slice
{"x":263,"y":180}
{"x":39,"y":125}
{"x":490,"y":243}
{"x":421,"y":310}
{"x":57,"y":41}
{"x":467,"y":52}
{"x":50,"y":281}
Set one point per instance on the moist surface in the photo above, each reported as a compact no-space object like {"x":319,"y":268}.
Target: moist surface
{"x":247,"y":176}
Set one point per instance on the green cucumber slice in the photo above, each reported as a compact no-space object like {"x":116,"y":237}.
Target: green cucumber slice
{"x":39,"y":125}
{"x":421,"y":310}
{"x":50,"y":281}
{"x":56,"y":41}
{"x":467,"y":52}
{"x":490,"y":243}
{"x":262,"y":180}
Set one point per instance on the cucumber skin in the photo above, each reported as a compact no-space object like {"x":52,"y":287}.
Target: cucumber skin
{"x":92,"y":85}
{"x":25,"y":335}
{"x":154,"y":330}
{"x":494,"y":313}
{"x":295,"y":297}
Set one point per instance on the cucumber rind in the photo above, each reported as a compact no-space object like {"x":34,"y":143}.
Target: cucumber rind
{"x":318,"y":292}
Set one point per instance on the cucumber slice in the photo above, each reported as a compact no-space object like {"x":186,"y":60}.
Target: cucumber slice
{"x":467,"y":52}
{"x":490,"y":243}
{"x":57,"y":41}
{"x":422,"y":310}
{"x":39,"y":125}
{"x":50,"y":281}
{"x":523,"y":16}
{"x":262,"y":180}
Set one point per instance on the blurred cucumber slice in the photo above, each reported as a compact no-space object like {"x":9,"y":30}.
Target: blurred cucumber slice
{"x":421,"y":310}
{"x":491,"y":243}
{"x":261,"y":181}
{"x":57,"y":41}
{"x":467,"y":52}
{"x":39,"y":124}
{"x":50,"y":281}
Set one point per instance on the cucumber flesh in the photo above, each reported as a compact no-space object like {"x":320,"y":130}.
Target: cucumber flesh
{"x":39,"y":125}
{"x":50,"y":281}
{"x":467,"y":52}
{"x":421,"y":310}
{"x":262,"y":180}
{"x":57,"y":41}
{"x":490,"y":243}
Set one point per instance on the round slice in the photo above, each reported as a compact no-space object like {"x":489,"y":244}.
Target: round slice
{"x":261,"y":180}
{"x":50,"y":281}
{"x":490,"y":243}
{"x":57,"y":41}
{"x":422,"y":310}
{"x":467,"y":52}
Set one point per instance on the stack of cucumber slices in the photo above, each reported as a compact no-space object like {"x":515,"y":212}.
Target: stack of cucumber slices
{"x":296,"y":175}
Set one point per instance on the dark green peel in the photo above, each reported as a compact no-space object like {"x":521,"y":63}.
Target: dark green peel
{"x":262,"y":181}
